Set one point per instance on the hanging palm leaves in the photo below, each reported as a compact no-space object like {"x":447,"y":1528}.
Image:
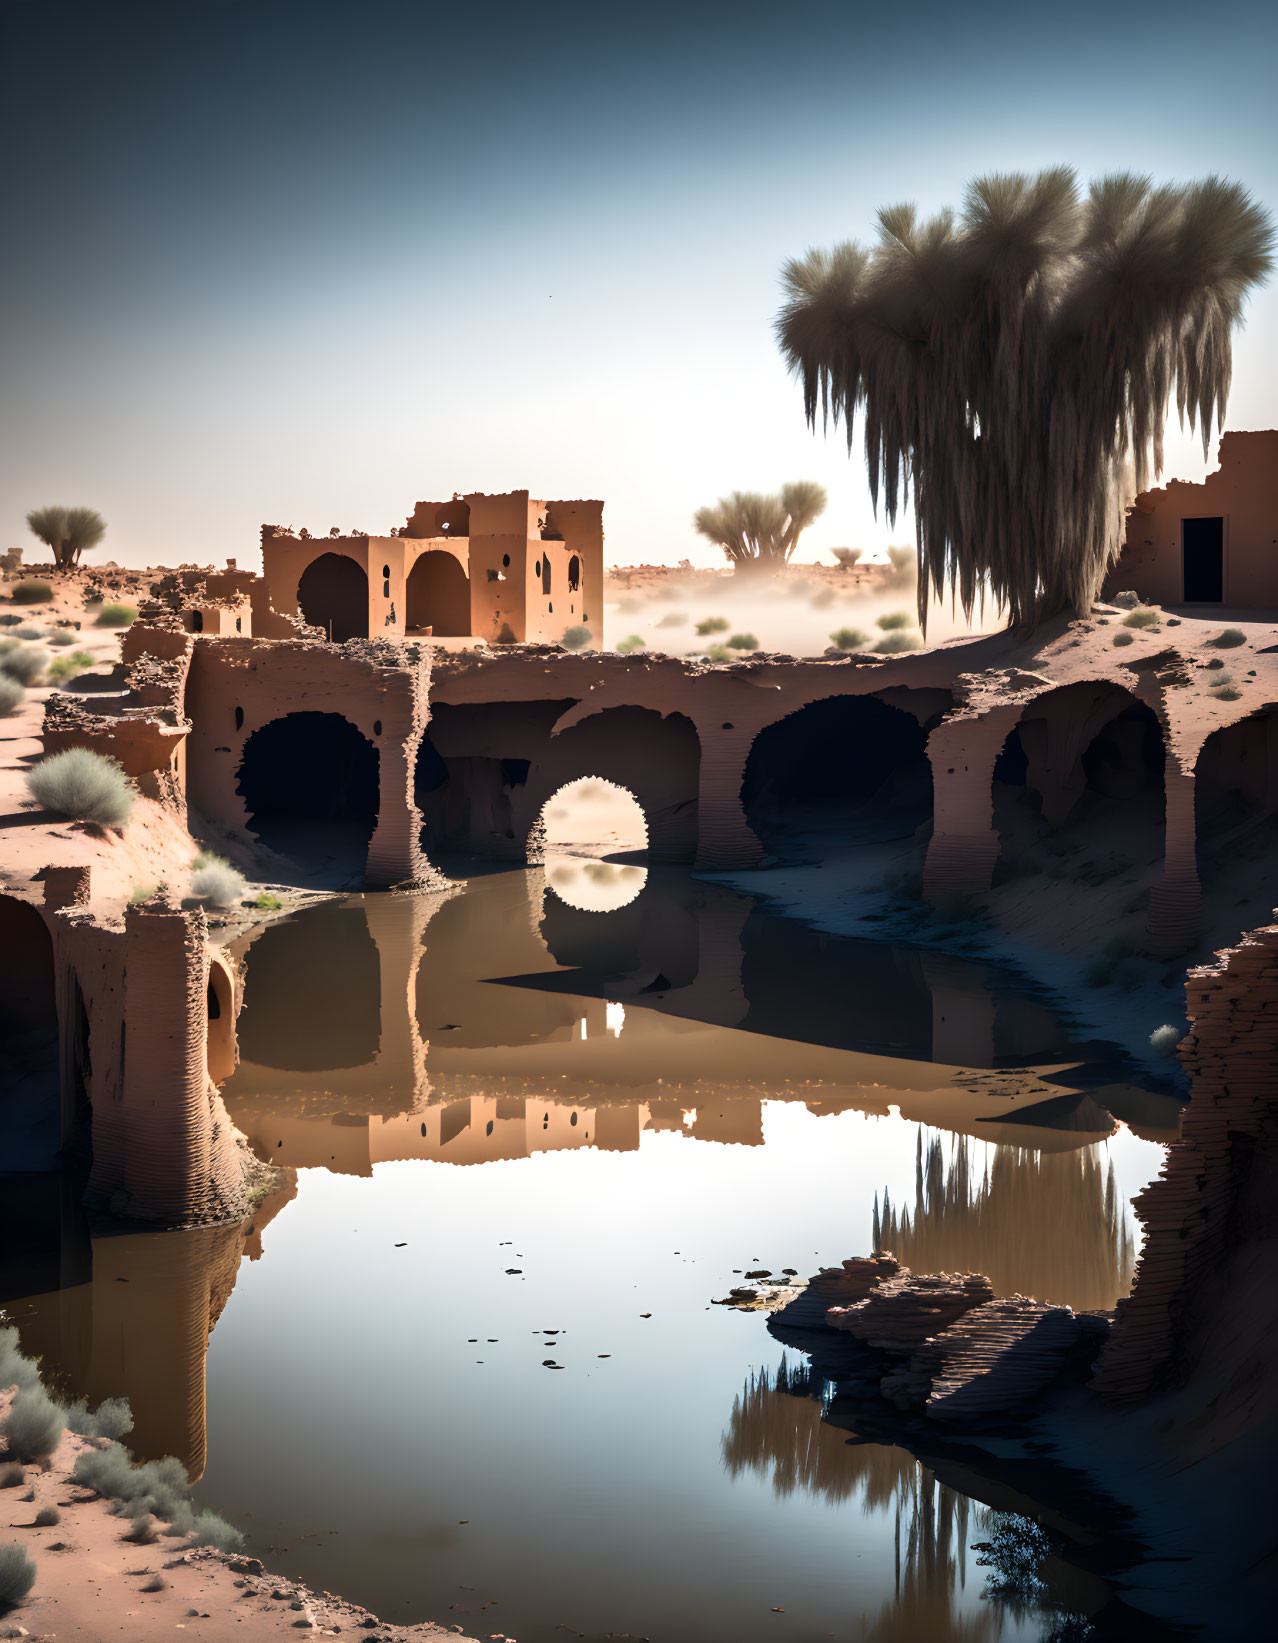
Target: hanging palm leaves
{"x":1014,"y":368}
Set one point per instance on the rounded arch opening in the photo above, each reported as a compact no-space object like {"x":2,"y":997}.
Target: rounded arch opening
{"x":309,"y":782}
{"x":1082,"y":770}
{"x":582,"y":823}
{"x":219,"y":998}
{"x":437,"y":596}
{"x":841,"y":771}
{"x":30,"y":1104}
{"x":333,"y":596}
{"x":1236,"y":814}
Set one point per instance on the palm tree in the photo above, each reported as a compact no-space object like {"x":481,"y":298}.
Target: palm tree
{"x":1014,"y":365}
{"x":761,"y":531}
{"x":68,"y":531}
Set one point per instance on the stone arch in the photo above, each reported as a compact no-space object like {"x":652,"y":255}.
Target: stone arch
{"x":220,"y":1011}
{"x":851,"y":769}
{"x":332,"y":595}
{"x":31,"y":1119}
{"x":437,"y":595}
{"x":309,"y":782}
{"x":1236,"y":807}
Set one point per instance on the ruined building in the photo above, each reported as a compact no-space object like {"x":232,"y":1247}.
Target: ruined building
{"x":506,"y":569}
{"x":1208,"y":544}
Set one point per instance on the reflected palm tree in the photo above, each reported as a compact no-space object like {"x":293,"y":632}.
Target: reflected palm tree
{"x":1048,"y":1225}
{"x":777,"y":1429}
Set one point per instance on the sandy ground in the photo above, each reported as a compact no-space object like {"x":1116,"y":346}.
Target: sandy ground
{"x":92,"y":1585}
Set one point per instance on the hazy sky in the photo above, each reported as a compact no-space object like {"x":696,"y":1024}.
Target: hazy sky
{"x":309,"y":263}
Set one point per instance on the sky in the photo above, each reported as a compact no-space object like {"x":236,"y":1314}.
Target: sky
{"x":307,"y":264}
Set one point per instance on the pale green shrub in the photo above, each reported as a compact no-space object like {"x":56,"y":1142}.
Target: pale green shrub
{"x":216,"y":882}
{"x":31,"y":591}
{"x":634,"y":642}
{"x":577,"y":637}
{"x":115,"y":616}
{"x":25,"y":666}
{"x":11,"y":693}
{"x":84,"y":786}
{"x":893,"y":620}
{"x":713,"y":624}
{"x":62,"y":669}
{"x":31,"y":1429}
{"x":891,"y":644}
{"x":849,"y":639}
{"x":17,"y":1574}
{"x":1143,"y":617}
{"x":743,"y":641}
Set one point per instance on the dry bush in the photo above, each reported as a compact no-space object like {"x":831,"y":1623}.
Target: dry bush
{"x":31,"y":591}
{"x":115,"y":616}
{"x":1228,"y":639}
{"x":17,"y":1574}
{"x":216,"y":881}
{"x":31,"y":1429}
{"x":892,"y":644}
{"x":1143,"y":617}
{"x":848,"y":639}
{"x":634,"y":642}
{"x":893,"y":620}
{"x":25,"y":666}
{"x":47,"y":1516}
{"x":576,"y":638}
{"x":62,"y":669}
{"x":713,"y":624}
{"x":11,"y":693}
{"x":83,"y":786}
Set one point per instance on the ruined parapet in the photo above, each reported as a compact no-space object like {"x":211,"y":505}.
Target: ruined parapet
{"x":901,"y":1311}
{"x":1210,"y":1197}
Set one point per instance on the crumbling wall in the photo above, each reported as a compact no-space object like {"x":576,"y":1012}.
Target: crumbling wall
{"x":1213,"y":1205}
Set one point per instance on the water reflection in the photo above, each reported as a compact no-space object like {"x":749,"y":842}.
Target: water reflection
{"x":642,"y":1102}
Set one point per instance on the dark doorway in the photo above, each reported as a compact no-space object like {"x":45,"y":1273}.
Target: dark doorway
{"x":30,"y":1105}
{"x":1204,"y":550}
{"x":333,"y":595}
{"x":438,"y":596}
{"x":309,"y":782}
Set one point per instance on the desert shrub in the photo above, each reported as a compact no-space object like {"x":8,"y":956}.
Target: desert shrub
{"x":634,"y":642}
{"x":216,"y":881}
{"x":32,"y":1427}
{"x":9,"y":619}
{"x":47,"y":1516}
{"x":61,"y":637}
{"x":28,"y":632}
{"x":155,"y":1490}
{"x":114,"y":616}
{"x":141,"y":893}
{"x":111,"y":1419}
{"x":143,"y":1531}
{"x":1123,"y":639}
{"x":849,"y":639}
{"x":1163,"y":1040}
{"x":576,"y":638}
{"x":1127,"y":599}
{"x":25,"y":666}
{"x":12,"y":1476}
{"x":1143,"y":617}
{"x":718,"y":653}
{"x":63,"y":668}
{"x":713,"y":624}
{"x":157,"y":1583}
{"x":674,"y":619}
{"x":822,"y":599}
{"x":1227,"y":693}
{"x":891,"y":644}
{"x":17,"y":1574}
{"x":1228,"y":639}
{"x":11,"y":693}
{"x":743,"y":641}
{"x":903,"y":568}
{"x":847,"y":557}
{"x":31,"y":591}
{"x":84,"y":786}
{"x":893,"y":620}
{"x":16,"y":1369}
{"x":268,"y":902}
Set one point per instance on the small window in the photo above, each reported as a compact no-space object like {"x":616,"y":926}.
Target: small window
{"x":377,"y":727}
{"x":573,"y":1120}
{"x":545,"y":575}
{"x":489,"y":1130}
{"x":574,"y":574}
{"x":239,"y":718}
{"x":386,"y":572}
{"x":505,"y":559}
{"x":197,"y":621}
{"x":239,"y":625}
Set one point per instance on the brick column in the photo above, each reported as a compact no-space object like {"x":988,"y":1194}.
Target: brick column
{"x":964,"y":847}
{"x":395,"y":855}
{"x":1173,"y":917}
{"x":725,"y":838}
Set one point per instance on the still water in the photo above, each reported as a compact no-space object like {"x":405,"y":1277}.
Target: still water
{"x":466,"y":1366}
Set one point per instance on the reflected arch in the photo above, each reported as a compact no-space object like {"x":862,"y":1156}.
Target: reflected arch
{"x":1236,"y":808}
{"x":437,"y":596}
{"x":309,"y":782}
{"x":292,"y":1020}
{"x":333,"y":595}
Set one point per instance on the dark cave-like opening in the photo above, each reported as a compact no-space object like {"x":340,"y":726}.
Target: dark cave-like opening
{"x":309,"y":782}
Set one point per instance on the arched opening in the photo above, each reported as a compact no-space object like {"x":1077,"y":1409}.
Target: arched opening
{"x":847,"y":770}
{"x":30,"y":1105}
{"x":220,"y":1033}
{"x":333,"y":596}
{"x":574,"y":574}
{"x":1081,"y":776}
{"x":312,"y":993}
{"x":309,"y":782}
{"x":437,"y":597}
{"x":581,"y":824}
{"x":1236,"y":817}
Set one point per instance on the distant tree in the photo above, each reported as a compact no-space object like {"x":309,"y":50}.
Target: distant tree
{"x":1015,"y":365}
{"x":68,"y":531}
{"x":761,"y":531}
